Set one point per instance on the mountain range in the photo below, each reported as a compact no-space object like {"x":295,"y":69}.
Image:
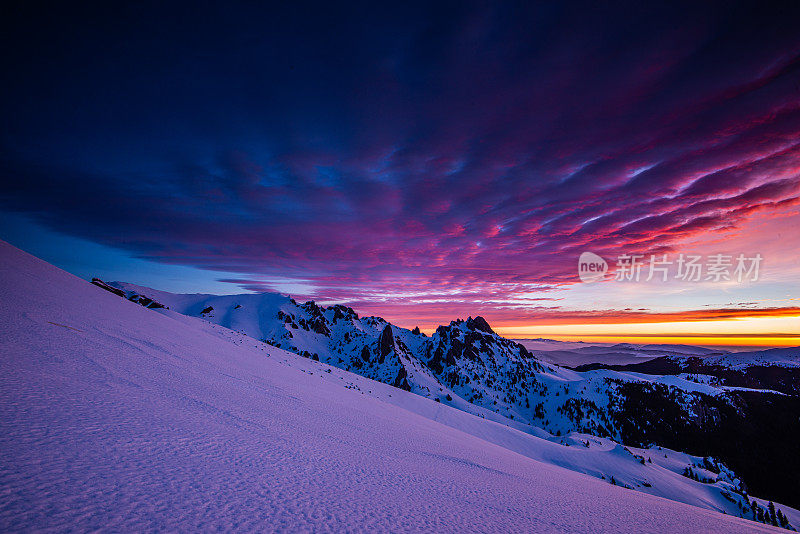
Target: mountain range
{"x":466,"y":365}
{"x":131,"y":409}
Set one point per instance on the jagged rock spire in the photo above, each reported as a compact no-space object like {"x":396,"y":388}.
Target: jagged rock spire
{"x":386,"y":342}
{"x":479,"y":323}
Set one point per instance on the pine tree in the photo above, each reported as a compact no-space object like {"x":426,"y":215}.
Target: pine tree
{"x":785,"y":522}
{"x":772,"y":518}
{"x":781,"y":519}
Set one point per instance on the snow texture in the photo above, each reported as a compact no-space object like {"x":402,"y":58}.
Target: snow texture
{"x":118,"y":417}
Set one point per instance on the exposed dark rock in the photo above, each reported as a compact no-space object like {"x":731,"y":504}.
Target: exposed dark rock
{"x":479,"y":323}
{"x":435,"y":363}
{"x":317,"y":323}
{"x":400,"y":381}
{"x":343,"y":312}
{"x":456,"y":348}
{"x":207,"y":310}
{"x":145,"y":301}
{"x":320,"y":327}
{"x":365,"y":354}
{"x":100,"y":283}
{"x":138,"y":299}
{"x":385,"y":342}
{"x":416,"y":331}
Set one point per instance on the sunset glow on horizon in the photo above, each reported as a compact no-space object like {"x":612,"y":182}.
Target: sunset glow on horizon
{"x":755,"y":332}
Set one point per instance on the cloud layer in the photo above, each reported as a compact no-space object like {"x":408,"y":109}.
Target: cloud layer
{"x":432,"y":159}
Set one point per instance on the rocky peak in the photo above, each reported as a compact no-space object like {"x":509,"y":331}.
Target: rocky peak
{"x":479,"y":323}
{"x":343,"y":312}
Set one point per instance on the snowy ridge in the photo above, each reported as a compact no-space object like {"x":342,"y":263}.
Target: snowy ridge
{"x":464,"y":364}
{"x":119,"y":417}
{"x":780,"y":357}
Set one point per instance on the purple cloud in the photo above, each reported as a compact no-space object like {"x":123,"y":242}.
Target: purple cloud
{"x":463,"y":155}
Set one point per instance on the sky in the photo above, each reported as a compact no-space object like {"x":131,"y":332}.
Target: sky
{"x":422,"y":162}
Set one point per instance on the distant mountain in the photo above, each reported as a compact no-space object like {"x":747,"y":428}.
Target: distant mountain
{"x":780,"y":357}
{"x":680,"y":349}
{"x":771,"y":369}
{"x":573,"y":354}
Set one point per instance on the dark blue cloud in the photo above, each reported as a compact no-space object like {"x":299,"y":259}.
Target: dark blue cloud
{"x":423,"y":146}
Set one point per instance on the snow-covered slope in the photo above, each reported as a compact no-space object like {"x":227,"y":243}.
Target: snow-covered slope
{"x":781,"y":357}
{"x":114,"y":416}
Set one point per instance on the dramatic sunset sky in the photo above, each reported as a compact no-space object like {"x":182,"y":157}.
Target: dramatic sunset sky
{"x":420,"y":162}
